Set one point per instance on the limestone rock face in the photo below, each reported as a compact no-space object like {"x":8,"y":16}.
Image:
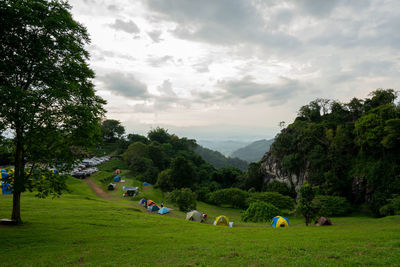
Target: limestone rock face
{"x":271,"y":169}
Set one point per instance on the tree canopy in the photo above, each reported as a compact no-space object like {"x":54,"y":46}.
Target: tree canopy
{"x":47,"y":97}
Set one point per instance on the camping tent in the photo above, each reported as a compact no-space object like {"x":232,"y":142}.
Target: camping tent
{"x":153,"y":208}
{"x":117,"y":171}
{"x":150,"y":202}
{"x":117,"y":179}
{"x":142,"y":201}
{"x":193,"y":215}
{"x":146,"y":184}
{"x":279,"y":221}
{"x":111,"y":186}
{"x":162,"y":211}
{"x":222,"y":220}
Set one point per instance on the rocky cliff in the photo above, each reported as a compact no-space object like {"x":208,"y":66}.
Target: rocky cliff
{"x":271,"y":169}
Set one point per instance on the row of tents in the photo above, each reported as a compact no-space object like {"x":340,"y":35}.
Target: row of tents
{"x":152,"y":206}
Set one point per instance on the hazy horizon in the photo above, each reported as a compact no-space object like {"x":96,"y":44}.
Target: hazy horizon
{"x":232,"y":70}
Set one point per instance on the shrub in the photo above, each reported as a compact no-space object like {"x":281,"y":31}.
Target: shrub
{"x":392,"y":208}
{"x":278,"y":200}
{"x":164,"y":180}
{"x":306,"y":207}
{"x":230,"y":196}
{"x":281,"y":188}
{"x":184,"y":198}
{"x":260,"y":212}
{"x":332,"y":205}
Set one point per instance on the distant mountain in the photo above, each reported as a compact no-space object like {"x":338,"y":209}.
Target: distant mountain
{"x":224,"y":147}
{"x":218,"y":160}
{"x":253,"y":152}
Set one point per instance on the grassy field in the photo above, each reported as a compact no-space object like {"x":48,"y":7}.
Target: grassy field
{"x":81,"y":229}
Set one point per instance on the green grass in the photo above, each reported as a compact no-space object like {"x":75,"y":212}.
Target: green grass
{"x":79,"y":228}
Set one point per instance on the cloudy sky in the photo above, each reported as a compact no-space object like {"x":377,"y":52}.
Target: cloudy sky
{"x":233,"y":69}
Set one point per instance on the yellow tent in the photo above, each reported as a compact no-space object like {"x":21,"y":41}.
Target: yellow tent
{"x":222,"y":220}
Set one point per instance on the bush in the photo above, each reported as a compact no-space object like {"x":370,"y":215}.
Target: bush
{"x":164,"y":181}
{"x":392,"y":208}
{"x":280,"y":201}
{"x":306,"y":207}
{"x":281,"y":188}
{"x":260,"y":212}
{"x":332,"y":205}
{"x":230,"y":196}
{"x":184,"y":198}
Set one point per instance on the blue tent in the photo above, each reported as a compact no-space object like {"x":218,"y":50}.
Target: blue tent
{"x":153,"y":208}
{"x":117,"y":179}
{"x":163,"y":211}
{"x":146,"y":183}
{"x":280,"y":221}
{"x":142,"y":201}
{"x":5,"y":188}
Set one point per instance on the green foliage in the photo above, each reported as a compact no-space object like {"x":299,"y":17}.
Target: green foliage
{"x":230,"y":196}
{"x":46,"y":89}
{"x":260,"y":212}
{"x":332,"y":205}
{"x":226,"y":176}
{"x":184,"y":198}
{"x":305,"y":205}
{"x":280,"y":188}
{"x":183,"y":172}
{"x":165,"y":181}
{"x":346,"y":149}
{"x":112,"y":130}
{"x":392,"y":208}
{"x":278,"y":200}
{"x":159,"y":135}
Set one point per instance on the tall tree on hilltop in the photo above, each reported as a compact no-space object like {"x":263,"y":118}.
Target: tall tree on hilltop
{"x":112,"y":130}
{"x":47,"y":97}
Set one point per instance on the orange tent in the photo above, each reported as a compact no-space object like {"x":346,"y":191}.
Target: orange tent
{"x":117,"y":171}
{"x":150,"y":202}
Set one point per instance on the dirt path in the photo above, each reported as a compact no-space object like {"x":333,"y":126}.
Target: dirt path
{"x":97,"y":189}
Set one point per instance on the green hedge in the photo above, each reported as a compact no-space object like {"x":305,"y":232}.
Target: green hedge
{"x":278,"y":200}
{"x":230,"y":196}
{"x":184,"y":198}
{"x":260,"y":212}
{"x":332,"y":205}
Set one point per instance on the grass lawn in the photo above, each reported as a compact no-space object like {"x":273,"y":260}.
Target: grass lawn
{"x":80,"y":228}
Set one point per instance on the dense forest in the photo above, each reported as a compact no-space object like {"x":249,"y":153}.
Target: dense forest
{"x":349,"y":149}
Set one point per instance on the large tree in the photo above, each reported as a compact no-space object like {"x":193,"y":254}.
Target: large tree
{"x":48,"y":102}
{"x":112,"y":130}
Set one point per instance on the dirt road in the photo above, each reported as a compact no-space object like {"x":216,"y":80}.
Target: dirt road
{"x":97,"y":189}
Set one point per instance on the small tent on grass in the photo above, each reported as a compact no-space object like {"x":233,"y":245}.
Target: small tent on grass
{"x":117,"y":171}
{"x":193,"y":215}
{"x":162,"y":211}
{"x":280,"y":221}
{"x":150,"y":202}
{"x":111,"y":186}
{"x":146,"y":184}
{"x":153,"y":208}
{"x":222,"y":220}
{"x":142,"y":201}
{"x":117,"y":179}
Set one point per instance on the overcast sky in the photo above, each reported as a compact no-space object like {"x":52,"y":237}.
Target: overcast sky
{"x":233,"y":69}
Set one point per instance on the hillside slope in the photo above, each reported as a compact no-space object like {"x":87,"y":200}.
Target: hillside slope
{"x":80,"y":228}
{"x":254,"y":151}
{"x":218,"y":160}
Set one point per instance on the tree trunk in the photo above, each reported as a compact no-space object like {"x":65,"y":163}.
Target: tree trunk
{"x":19,"y":173}
{"x":16,"y":211}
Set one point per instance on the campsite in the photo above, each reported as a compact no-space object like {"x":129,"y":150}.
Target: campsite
{"x":83,"y":228}
{"x":199,"y":133}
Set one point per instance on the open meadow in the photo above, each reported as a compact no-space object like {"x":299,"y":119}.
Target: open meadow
{"x":82,"y":228}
